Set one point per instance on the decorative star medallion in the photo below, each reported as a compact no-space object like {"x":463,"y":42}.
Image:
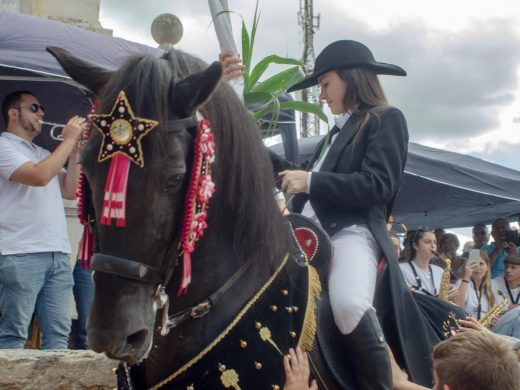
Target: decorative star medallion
{"x":122,"y":131}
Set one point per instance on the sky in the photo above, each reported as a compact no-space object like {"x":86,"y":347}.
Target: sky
{"x":462,"y":92}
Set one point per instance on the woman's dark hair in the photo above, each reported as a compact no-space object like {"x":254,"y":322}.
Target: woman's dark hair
{"x":419,"y":233}
{"x":364,"y":91}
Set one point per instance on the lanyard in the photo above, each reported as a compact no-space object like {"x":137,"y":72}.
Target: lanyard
{"x":513,"y":300}
{"x":419,"y":282}
{"x":479,"y":298}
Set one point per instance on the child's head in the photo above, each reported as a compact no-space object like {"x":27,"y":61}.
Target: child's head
{"x":475,"y":360}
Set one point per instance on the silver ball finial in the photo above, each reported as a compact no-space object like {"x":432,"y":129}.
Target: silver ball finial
{"x":166,"y":30}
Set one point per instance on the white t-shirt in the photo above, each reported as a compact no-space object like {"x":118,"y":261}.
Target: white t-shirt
{"x":32,"y":219}
{"x":429,"y":282}
{"x":471,"y":302}
{"x":499,"y":284}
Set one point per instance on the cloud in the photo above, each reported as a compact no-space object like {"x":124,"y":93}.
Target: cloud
{"x":459,"y":80}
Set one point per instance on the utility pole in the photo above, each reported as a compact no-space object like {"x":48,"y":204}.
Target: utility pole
{"x":310,"y":124}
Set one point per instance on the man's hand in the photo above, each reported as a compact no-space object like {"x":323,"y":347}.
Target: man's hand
{"x":294,"y":181}
{"x":74,"y":128}
{"x":509,"y":247}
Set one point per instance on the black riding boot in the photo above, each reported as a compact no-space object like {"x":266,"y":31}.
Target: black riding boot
{"x":369,"y":354}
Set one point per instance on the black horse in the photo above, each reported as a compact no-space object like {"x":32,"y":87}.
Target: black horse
{"x":260,"y":298}
{"x":252,"y":293}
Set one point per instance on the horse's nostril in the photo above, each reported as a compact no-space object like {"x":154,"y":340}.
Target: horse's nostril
{"x":137,"y":339}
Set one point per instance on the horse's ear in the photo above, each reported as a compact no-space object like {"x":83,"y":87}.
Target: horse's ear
{"x":91,"y":76}
{"x":193,"y":90}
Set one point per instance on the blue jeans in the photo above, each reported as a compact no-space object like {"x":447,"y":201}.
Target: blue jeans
{"x":509,"y":324}
{"x":83,"y":295}
{"x":38,"y":283}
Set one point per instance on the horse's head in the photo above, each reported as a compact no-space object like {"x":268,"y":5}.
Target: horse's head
{"x":134,"y":259}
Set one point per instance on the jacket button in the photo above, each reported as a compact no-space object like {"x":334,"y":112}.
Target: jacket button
{"x":333,"y":225}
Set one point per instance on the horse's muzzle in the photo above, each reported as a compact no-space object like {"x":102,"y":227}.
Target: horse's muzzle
{"x":131,"y":349}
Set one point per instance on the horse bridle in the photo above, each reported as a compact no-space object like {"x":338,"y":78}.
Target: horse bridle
{"x":143,"y":273}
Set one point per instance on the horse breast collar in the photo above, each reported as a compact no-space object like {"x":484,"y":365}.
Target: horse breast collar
{"x":248,"y":352}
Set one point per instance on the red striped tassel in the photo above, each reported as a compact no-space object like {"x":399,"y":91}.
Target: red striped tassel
{"x":186,"y":274}
{"x":85,"y":247}
{"x":114,"y":201}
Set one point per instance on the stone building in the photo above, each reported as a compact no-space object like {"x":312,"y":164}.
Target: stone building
{"x":81,"y":13}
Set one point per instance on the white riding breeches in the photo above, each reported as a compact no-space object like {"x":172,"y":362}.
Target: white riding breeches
{"x":352,"y":275}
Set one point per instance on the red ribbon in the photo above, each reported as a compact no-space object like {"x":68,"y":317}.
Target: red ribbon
{"x":114,"y":201}
{"x":200,"y":191}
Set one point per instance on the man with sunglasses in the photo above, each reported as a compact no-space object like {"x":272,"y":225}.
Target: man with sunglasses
{"x":35,"y":273}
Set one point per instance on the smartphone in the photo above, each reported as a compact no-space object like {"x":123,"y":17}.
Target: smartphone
{"x":474,"y":258}
{"x":511,"y":236}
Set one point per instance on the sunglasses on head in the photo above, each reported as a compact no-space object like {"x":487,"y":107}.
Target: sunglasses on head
{"x":34,"y":107}
{"x":425,"y":229}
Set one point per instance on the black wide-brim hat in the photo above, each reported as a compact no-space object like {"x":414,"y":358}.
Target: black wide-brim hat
{"x":345,"y":54}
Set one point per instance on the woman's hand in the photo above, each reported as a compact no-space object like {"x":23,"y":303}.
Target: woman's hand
{"x":232,"y":66}
{"x":294,"y":181}
{"x":453,"y":292}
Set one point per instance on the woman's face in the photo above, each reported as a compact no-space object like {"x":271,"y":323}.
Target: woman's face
{"x":480,"y":271}
{"x":332,"y":91}
{"x":426,"y":244}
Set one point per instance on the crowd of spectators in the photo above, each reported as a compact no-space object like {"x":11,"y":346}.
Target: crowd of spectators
{"x":482,"y":276}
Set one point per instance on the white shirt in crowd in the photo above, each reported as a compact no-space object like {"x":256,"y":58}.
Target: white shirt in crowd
{"x":430,"y":282}
{"x":499,"y":284}
{"x":471,"y":302}
{"x":32,"y":219}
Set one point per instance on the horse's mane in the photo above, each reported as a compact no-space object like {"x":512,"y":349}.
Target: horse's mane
{"x":243,"y":173}
{"x":243,"y":205}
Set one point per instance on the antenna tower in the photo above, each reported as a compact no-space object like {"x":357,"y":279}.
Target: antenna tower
{"x":310,"y":124}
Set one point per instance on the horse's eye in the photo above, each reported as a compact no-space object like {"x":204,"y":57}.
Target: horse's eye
{"x":173,"y":182}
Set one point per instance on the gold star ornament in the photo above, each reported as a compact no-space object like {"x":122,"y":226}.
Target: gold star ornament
{"x":122,"y":131}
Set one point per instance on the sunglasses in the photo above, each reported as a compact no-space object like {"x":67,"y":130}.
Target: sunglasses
{"x":479,"y":233}
{"x":425,"y":229}
{"x":34,"y":107}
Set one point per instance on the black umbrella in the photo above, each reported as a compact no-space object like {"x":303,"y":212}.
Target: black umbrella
{"x":26,"y":65}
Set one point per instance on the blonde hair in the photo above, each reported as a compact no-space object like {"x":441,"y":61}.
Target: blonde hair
{"x":476,"y":360}
{"x":486,"y":279}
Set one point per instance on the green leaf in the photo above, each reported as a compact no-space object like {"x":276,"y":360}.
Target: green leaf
{"x":280,"y":82}
{"x":256,"y":18}
{"x":246,"y":54}
{"x":257,"y":97}
{"x":261,"y":67}
{"x":300,"y":105}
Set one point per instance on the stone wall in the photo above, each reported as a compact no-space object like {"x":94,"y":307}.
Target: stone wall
{"x":55,"y":370}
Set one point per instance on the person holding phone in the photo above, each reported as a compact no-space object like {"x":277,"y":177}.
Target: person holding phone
{"x":476,"y":292}
{"x":504,"y":244}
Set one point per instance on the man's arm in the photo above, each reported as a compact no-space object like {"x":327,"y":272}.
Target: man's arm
{"x":41,"y":173}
